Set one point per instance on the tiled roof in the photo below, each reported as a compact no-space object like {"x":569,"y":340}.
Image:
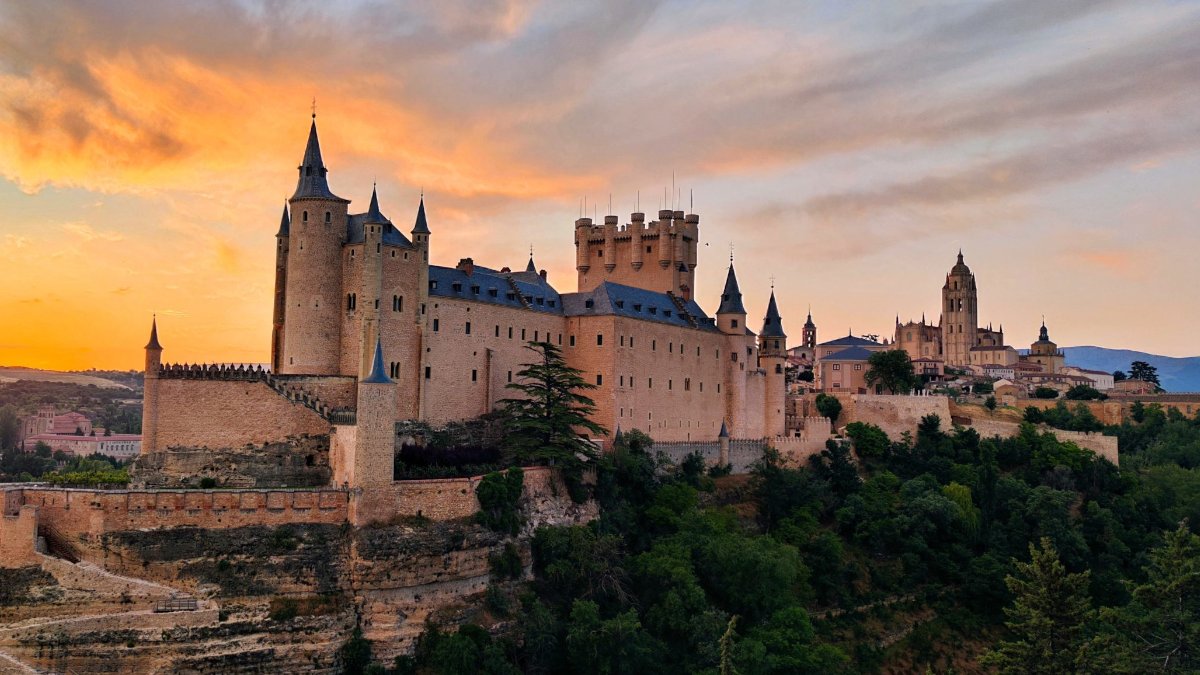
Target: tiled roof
{"x":355,"y":233}
{"x":850,"y":341}
{"x":492,"y":287}
{"x":636,"y":303}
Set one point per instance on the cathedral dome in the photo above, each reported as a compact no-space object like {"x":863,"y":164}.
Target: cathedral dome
{"x":960,"y":267}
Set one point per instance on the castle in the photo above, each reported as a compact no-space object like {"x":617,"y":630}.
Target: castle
{"x":367,"y":333}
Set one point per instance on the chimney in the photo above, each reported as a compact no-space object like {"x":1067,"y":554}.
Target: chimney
{"x":543,"y":274}
{"x":466,"y":265}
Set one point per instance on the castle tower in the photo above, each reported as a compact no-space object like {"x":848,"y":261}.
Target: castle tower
{"x":659,"y":256}
{"x":772,"y":358}
{"x":369,"y":462}
{"x":312,"y":320}
{"x":731,"y":320}
{"x":277,"y":321}
{"x":150,"y":390}
{"x":809,"y":335}
{"x":371,"y":291}
{"x":415,"y":396}
{"x":960,"y":315}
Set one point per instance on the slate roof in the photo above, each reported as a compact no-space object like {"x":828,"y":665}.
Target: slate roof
{"x":731,"y":297}
{"x":285,"y":223}
{"x":850,"y":341}
{"x":421,"y":226}
{"x":488,"y":285}
{"x":850,"y":354}
{"x":772,"y":323}
{"x":312,"y":183}
{"x":636,"y":303}
{"x":355,"y":226}
{"x":377,"y":376}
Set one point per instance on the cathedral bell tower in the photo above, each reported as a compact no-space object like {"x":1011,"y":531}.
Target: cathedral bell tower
{"x":960,"y":315}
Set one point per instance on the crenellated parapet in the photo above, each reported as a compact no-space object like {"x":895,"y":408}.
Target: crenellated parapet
{"x":246,"y":372}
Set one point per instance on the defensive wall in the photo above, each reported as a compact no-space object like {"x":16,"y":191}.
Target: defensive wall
{"x":1103,"y":446}
{"x":1116,"y":409}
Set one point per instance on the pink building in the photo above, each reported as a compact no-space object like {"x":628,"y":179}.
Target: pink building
{"x":118,"y":446}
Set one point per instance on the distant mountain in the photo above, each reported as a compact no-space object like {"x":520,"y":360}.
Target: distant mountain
{"x":15,"y":373}
{"x":1175,"y":374}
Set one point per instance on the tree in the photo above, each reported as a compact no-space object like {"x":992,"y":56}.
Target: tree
{"x":805,"y":376}
{"x":1119,"y":376}
{"x":1159,"y":630}
{"x":544,"y":424}
{"x":1047,"y":618}
{"x":990,"y":404}
{"x":10,"y":428}
{"x":829,"y":406}
{"x":1140,"y":370}
{"x":1045,"y":392}
{"x":892,"y":369}
{"x":1083,"y":392}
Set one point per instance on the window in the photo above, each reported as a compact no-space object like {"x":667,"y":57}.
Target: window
{"x":535,"y":336}
{"x":654,"y":345}
{"x":631,"y":342}
{"x":304,"y":216}
{"x":510,"y":332}
{"x":510,"y":376}
{"x":474,"y":375}
{"x":572,"y":341}
{"x":394,"y":370}
{"x":435,"y":325}
{"x":622,"y":380}
{"x":733,"y":323}
{"x":599,"y":339}
{"x":687,"y":384}
{"x":671,"y":347}
{"x":468,"y":327}
{"x":351,"y":301}
{"x":328,"y":218}
{"x":427,"y":372}
{"x":837,"y":366}
{"x":522,"y":333}
{"x":857,"y":366}
{"x":599,"y":379}
{"x":497,"y":330}
{"x":397,"y":303}
{"x":600,"y":253}
{"x":622,"y":340}
{"x":376,"y":303}
{"x":475,"y":290}
{"x":650,"y":383}
{"x":778,"y":369}
{"x":560,"y":339}
{"x":647,"y":249}
{"x":670,"y":385}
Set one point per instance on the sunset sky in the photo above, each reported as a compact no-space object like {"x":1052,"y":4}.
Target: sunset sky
{"x":847,"y":149}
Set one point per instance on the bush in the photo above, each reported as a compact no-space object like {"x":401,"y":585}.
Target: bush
{"x":1045,"y":392}
{"x":1082,"y":392}
{"x":829,"y":406}
{"x":869,"y":440}
{"x":355,"y":654}
{"x":507,"y":564}
{"x":499,"y":500}
{"x":208,"y":483}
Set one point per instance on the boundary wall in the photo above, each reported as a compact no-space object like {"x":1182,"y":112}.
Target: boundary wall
{"x":1103,"y":446}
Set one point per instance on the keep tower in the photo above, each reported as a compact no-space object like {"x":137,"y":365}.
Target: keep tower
{"x":960,"y":314}
{"x":313,"y":275}
{"x":657,"y":256}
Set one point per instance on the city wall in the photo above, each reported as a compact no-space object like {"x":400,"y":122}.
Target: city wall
{"x":1103,"y":446}
{"x":1116,"y":409}
{"x":894,"y":414}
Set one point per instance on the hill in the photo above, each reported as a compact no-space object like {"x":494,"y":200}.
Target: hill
{"x":15,"y":374}
{"x":1176,"y":374}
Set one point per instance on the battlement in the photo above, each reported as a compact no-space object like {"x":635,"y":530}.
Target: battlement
{"x":245,"y":372}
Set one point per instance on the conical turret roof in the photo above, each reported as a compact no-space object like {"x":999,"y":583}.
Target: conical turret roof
{"x":153,"y":343}
{"x":421,"y":226}
{"x":313,"y":183}
{"x":731,"y":297}
{"x":772,"y":323}
{"x":285,"y":223}
{"x":377,"y":375}
{"x":373,"y":214}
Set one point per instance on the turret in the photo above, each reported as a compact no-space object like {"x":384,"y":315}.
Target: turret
{"x":313,"y":316}
{"x":666,"y":247}
{"x":731,"y":314}
{"x":772,"y":358}
{"x":583,"y":251}
{"x":610,"y":243}
{"x":367,"y":461}
{"x":637,"y":225}
{"x":150,"y":390}
{"x":280,"y":310}
{"x":370,"y":293}
{"x":420,"y":231}
{"x":737,"y":352}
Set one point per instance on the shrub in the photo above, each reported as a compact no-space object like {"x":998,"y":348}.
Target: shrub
{"x":506,"y":564}
{"x":208,"y":483}
{"x":499,"y":500}
{"x":829,"y":406}
{"x":1045,"y":392}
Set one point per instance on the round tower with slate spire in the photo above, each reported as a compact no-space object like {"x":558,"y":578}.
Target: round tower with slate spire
{"x":731,"y":320}
{"x":280,"y":309}
{"x":314,"y":304}
{"x":367,"y":460}
{"x":772,"y":358}
{"x":150,"y":390}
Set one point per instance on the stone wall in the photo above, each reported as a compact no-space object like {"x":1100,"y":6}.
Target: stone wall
{"x":1103,"y":446}
{"x":294,"y":462}
{"x":87,"y":514}
{"x":893,"y":414}
{"x":742,"y":453}
{"x":18,"y":537}
{"x":219,"y":414}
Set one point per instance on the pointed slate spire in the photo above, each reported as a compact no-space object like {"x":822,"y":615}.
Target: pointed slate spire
{"x":724,"y":431}
{"x":809,"y":322}
{"x":731,"y":297}
{"x":531,"y":267}
{"x":285,"y":223}
{"x":374,"y":215}
{"x":312,"y":183}
{"x":772,"y":323}
{"x":421,"y":226}
{"x":377,"y":376}
{"x":153,"y":344}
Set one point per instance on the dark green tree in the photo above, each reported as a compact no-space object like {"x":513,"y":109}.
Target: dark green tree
{"x":1045,"y":392}
{"x":1047,"y":618}
{"x":1159,"y":630}
{"x":1119,"y":376}
{"x":1140,"y":370}
{"x":545,"y":423}
{"x":892,"y":369}
{"x":1082,"y":392}
{"x":10,"y":428}
{"x":829,"y":406}
{"x":990,"y":404}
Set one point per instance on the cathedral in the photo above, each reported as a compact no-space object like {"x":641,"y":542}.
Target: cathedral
{"x":358,"y":308}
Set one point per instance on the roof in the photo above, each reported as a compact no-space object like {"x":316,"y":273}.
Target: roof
{"x":495,"y":288}
{"x":355,"y":230}
{"x":960,"y":267}
{"x":312,"y":183}
{"x":731,"y":297}
{"x":637,"y":303}
{"x":850,"y":354}
{"x":76,"y":437}
{"x":772,"y":323}
{"x":421,"y":226}
{"x":377,"y":376}
{"x":850,"y":341}
{"x":988,"y":348}
{"x":285,"y":223}
{"x":153,"y":343}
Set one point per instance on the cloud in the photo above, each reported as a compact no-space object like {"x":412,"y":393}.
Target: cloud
{"x":87,"y":233}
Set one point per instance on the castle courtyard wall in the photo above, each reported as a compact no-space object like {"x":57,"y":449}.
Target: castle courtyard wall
{"x":228,"y":414}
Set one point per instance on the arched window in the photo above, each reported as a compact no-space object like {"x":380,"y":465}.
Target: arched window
{"x":304,"y":216}
{"x":351,"y":301}
{"x":328,"y":217}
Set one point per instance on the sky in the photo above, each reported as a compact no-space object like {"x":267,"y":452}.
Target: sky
{"x":845,"y":150}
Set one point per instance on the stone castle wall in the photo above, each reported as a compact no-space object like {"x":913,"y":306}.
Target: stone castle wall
{"x":18,"y":537}
{"x":229,"y":414}
{"x":1103,"y":446}
{"x":894,"y":414}
{"x":291,"y":463}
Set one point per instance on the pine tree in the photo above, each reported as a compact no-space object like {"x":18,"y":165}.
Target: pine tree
{"x":1047,"y":619}
{"x":544,"y":424}
{"x":1159,"y":630}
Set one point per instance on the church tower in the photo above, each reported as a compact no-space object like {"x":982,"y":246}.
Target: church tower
{"x":809,"y":336}
{"x":960,"y":315}
{"x":772,"y":358}
{"x":317,"y":230}
{"x":281,"y":255}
